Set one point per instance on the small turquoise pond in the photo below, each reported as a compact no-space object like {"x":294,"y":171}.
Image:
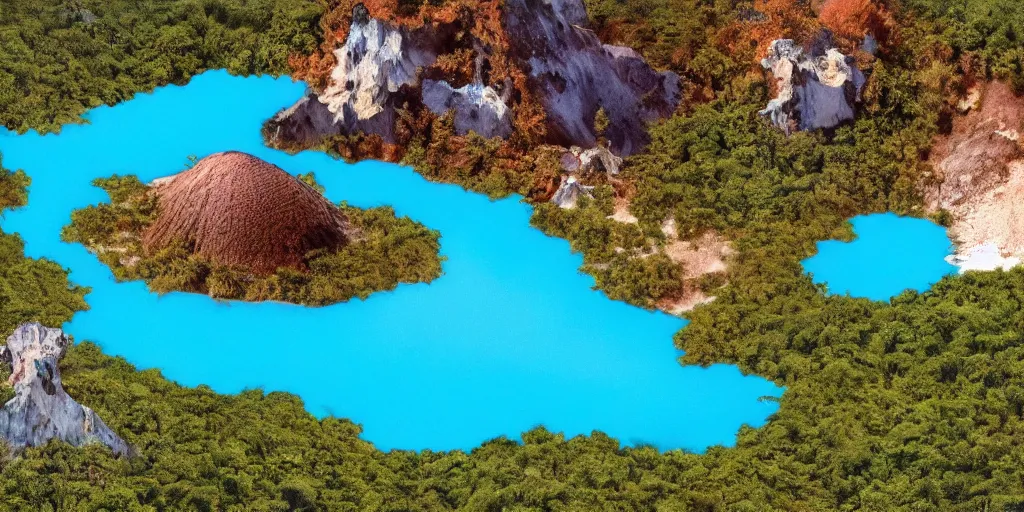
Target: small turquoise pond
{"x":890,"y":255}
{"x":510,"y":337}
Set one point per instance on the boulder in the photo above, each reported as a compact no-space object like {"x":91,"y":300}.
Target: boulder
{"x":41,"y":410}
{"x":304,"y":123}
{"x":870,"y":45}
{"x":816,"y":88}
{"x":596,"y":159}
{"x":569,"y":192}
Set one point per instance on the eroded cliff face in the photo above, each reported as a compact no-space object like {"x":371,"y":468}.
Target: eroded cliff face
{"x":478,"y":108}
{"x":41,"y":410}
{"x":817,"y":87}
{"x":979,"y":179}
{"x":546,"y":57}
{"x":375,"y":73}
{"x":570,"y":191}
{"x":574,"y":75}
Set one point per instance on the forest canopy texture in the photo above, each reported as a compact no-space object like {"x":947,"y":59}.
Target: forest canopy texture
{"x":59,"y":58}
{"x":912,"y":404}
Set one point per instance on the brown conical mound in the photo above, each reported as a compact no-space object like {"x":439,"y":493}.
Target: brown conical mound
{"x":239,"y":210}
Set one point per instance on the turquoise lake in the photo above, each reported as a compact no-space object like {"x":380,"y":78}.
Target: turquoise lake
{"x":510,"y":337}
{"x":891,"y":254}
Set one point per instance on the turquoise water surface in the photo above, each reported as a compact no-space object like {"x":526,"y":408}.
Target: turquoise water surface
{"x":510,"y":337}
{"x":890,"y":254}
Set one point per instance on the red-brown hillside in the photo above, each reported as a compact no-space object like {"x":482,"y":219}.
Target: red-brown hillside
{"x":239,"y":210}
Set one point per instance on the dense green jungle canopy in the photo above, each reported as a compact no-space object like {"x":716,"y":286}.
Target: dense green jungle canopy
{"x":915,"y":404}
{"x":59,"y":58}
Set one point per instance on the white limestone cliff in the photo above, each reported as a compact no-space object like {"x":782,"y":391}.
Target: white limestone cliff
{"x":41,"y":410}
{"x":376,"y":62}
{"x":814,"y":90}
{"x":569,"y":71}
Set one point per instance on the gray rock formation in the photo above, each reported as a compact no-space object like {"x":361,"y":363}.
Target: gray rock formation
{"x":575,"y":75}
{"x":570,"y":191}
{"x":573,"y":12}
{"x":41,"y":410}
{"x":817,"y":89}
{"x":596,"y":159}
{"x":305,"y":122}
{"x":477,"y":107}
{"x":376,"y":62}
{"x":571,"y":72}
{"x":870,"y":44}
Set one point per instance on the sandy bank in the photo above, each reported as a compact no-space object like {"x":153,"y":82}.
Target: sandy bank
{"x":979,"y":179}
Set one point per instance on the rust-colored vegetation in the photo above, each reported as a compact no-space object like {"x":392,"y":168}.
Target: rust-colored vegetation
{"x":853,"y":19}
{"x":477,"y":26}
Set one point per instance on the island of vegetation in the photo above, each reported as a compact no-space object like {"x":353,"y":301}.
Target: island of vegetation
{"x":912,"y":404}
{"x":235,"y":227}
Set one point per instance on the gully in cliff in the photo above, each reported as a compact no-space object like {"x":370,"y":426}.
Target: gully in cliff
{"x":41,"y":410}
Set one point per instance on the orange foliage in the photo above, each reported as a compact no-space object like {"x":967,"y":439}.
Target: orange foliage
{"x":853,"y":19}
{"x":481,"y":18}
{"x":748,"y":41}
{"x":518,"y":159}
{"x":456,"y":68}
{"x":361,"y":146}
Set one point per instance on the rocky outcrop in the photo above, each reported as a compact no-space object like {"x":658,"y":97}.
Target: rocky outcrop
{"x":974,"y":157}
{"x":304,"y":123}
{"x":596,"y":159}
{"x":376,"y":67}
{"x":567,"y":68}
{"x":574,"y":75}
{"x":478,"y":108}
{"x":41,"y":410}
{"x":869,"y":45}
{"x":570,"y":191}
{"x":979,"y":179}
{"x":817,"y":87}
